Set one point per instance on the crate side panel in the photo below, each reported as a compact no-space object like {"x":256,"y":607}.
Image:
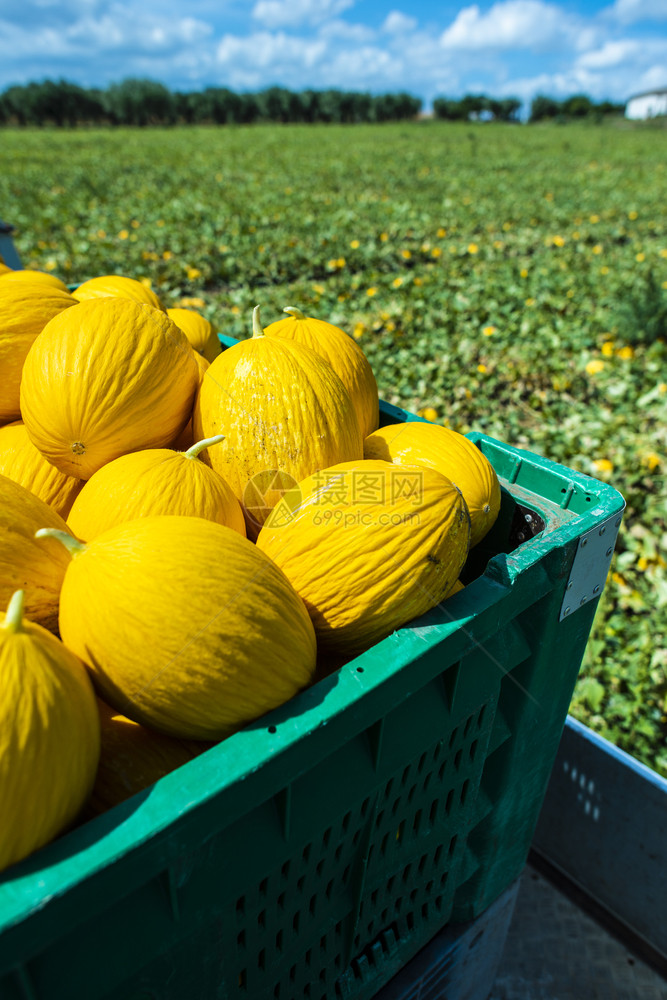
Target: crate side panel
{"x":415,"y":867}
{"x":292,"y":887}
{"x":533,"y":707}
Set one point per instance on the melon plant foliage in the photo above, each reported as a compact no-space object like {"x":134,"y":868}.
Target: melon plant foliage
{"x":496,"y":277}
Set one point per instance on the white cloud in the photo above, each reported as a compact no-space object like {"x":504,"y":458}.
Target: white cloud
{"x":266,"y":51}
{"x":191,"y":31}
{"x":629,"y":11}
{"x":510,"y":24}
{"x":614,"y":73}
{"x":292,"y":13}
{"x":122,"y":29}
{"x":346,"y":31}
{"x":42,"y":42}
{"x":397,"y":23}
{"x":611,"y":54}
{"x":362,"y":66}
{"x":634,"y":53}
{"x":265,"y":58}
{"x":96,"y":50}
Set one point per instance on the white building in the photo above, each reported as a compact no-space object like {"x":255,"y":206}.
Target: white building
{"x":647,"y":105}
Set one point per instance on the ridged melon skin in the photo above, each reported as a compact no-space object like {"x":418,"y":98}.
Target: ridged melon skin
{"x":281,"y":407}
{"x":345,"y":357}
{"x":450,"y":453}
{"x":186,"y":627}
{"x":365,"y":560}
{"x":22,"y":462}
{"x":49,"y":739}
{"x":186,"y":439}
{"x":110,"y":377}
{"x":198,"y":330}
{"x":36,"y":567}
{"x":25,"y":309}
{"x":203,"y":364}
{"x":117,"y":286}
{"x":155,"y":481}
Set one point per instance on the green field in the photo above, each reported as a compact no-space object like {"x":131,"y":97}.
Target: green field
{"x":511,"y":278}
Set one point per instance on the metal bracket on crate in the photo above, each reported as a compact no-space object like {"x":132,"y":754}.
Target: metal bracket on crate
{"x":591,"y":564}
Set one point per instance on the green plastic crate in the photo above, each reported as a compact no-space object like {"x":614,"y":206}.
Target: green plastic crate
{"x":312,"y":854}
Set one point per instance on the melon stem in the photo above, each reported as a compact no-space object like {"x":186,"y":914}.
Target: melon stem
{"x":14,"y":617}
{"x":72,"y":544}
{"x":293,"y":311}
{"x":256,"y":325}
{"x":199,"y":446}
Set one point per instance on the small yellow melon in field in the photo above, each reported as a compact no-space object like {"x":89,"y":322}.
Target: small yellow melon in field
{"x":49,"y":735}
{"x":22,"y":462}
{"x":198,"y":330}
{"x":154,"y":481}
{"x":117,"y":286}
{"x":185,"y":625}
{"x":26,"y":564}
{"x":344,"y":355}
{"x":369,"y":546}
{"x":25,"y":309}
{"x":114,"y":376}
{"x":40,"y":277}
{"x":452,"y":454}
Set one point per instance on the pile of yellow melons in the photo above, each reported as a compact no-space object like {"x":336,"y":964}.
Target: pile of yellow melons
{"x":189,"y":536}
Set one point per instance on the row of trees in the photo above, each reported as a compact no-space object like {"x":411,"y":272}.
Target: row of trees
{"x":481,"y":107}
{"x":477,"y":106}
{"x":578,"y":106}
{"x":146,"y":102}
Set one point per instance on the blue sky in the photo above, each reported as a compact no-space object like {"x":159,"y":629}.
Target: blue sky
{"x":504,"y":48}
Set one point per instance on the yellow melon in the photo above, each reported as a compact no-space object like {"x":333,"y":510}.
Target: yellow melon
{"x":25,"y":564}
{"x":49,"y":735}
{"x":154,"y":481}
{"x":185,"y":625}
{"x":25,"y":309}
{"x":345,"y":357}
{"x":284,"y":413}
{"x":110,"y":377}
{"x":22,"y":462}
{"x":117,"y":286}
{"x":186,"y":438}
{"x":452,"y":454}
{"x":32,"y":277}
{"x":199,"y":331}
{"x":369,"y":546}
